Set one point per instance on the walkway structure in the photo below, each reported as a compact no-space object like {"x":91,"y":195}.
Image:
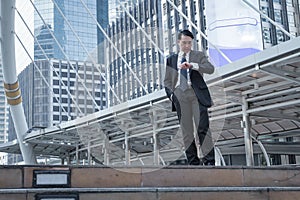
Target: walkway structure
{"x":257,"y":101}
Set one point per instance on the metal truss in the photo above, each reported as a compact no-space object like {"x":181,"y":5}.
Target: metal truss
{"x":256,"y":99}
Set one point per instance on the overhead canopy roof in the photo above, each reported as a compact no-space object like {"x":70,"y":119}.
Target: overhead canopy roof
{"x":265,"y":86}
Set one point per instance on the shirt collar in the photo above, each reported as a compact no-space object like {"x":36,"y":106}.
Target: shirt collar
{"x":181,"y":53}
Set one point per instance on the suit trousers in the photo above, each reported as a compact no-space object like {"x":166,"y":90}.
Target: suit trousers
{"x":191,"y":115}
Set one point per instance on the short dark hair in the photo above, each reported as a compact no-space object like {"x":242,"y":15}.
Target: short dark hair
{"x":186,"y":33}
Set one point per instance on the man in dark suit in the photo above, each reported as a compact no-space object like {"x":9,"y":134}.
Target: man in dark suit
{"x":186,"y":88}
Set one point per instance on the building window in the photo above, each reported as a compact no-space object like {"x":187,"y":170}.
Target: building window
{"x":55,"y":82}
{"x":289,"y":3}
{"x":291,"y":19}
{"x":265,"y":10}
{"x":280,"y":36}
{"x":267,"y":35}
{"x":55,"y":117}
{"x":171,"y":21}
{"x":278,"y":16}
{"x":277,"y":1}
{"x":55,"y":108}
{"x":164,"y":9}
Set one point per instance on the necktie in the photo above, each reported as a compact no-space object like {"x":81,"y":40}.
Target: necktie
{"x":183,"y":77}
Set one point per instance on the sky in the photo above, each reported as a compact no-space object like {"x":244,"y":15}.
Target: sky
{"x":27,"y":12}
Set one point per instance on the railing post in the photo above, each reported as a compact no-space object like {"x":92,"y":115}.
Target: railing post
{"x":127,"y":149}
{"x":247,"y":137}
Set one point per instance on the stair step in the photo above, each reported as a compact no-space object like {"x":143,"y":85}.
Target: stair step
{"x":173,"y":182}
{"x":158,"y":193}
{"x":149,"y":189}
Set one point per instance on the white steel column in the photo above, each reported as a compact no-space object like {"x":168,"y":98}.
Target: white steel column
{"x":127,"y":149}
{"x":219,"y":157}
{"x":89,"y":153}
{"x":11,"y":84}
{"x":263,"y":149}
{"x":247,"y":137}
{"x":155,"y":138}
{"x":106,"y":151}
{"x":77,"y":154}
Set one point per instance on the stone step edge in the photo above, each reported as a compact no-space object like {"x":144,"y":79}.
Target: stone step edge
{"x":147,"y":189}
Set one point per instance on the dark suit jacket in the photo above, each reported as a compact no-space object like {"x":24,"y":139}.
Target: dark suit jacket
{"x":196,"y":76}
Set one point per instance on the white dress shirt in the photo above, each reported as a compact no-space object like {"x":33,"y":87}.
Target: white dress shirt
{"x":195,"y":66}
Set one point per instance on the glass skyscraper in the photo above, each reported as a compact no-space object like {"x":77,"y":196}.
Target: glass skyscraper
{"x":54,"y":19}
{"x":165,"y":22}
{"x":67,"y":33}
{"x":143,"y":58}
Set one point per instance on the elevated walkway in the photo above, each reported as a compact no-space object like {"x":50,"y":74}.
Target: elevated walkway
{"x":173,"y":182}
{"x":264,"y":86}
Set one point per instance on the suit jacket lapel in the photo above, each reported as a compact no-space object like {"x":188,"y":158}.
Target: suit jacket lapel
{"x":192,"y":56}
{"x":175,"y":61}
{"x":174,"y":64}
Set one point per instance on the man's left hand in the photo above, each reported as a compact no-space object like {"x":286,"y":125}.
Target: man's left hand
{"x":186,"y":65}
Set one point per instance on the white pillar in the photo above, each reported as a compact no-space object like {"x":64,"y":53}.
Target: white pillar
{"x":77,"y":154}
{"x":127,"y":149}
{"x":155,"y":138}
{"x":89,"y":153}
{"x":106,"y":152}
{"x":247,"y":137}
{"x":11,"y":83}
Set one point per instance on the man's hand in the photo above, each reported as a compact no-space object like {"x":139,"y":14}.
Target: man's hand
{"x":185,"y":65}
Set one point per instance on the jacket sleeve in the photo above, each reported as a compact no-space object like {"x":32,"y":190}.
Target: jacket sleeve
{"x":204,"y":66}
{"x":168,"y":78}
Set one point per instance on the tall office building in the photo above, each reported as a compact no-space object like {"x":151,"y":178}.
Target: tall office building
{"x":70,"y":37}
{"x":238,"y":32}
{"x":58,"y":91}
{"x":135,"y":64}
{"x":242,"y":30}
{"x":65,"y":96}
{"x":56,"y":20}
{"x":173,"y":21}
{"x":286,"y":13}
{"x":132,"y":50}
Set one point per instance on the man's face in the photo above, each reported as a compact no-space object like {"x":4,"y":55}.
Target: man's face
{"x":185,"y":43}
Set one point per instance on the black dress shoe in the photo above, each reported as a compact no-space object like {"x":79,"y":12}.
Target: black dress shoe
{"x":195,"y":162}
{"x":209,"y":163}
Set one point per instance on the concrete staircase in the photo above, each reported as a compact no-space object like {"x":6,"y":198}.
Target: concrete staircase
{"x":173,"y":182}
